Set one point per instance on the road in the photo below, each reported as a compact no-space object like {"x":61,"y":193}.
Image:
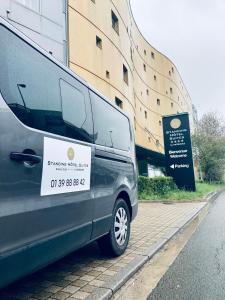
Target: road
{"x":199,"y":271}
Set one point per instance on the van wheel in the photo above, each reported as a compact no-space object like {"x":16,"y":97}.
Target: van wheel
{"x":116,"y":241}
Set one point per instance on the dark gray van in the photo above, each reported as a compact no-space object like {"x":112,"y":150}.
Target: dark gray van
{"x":67,"y":162}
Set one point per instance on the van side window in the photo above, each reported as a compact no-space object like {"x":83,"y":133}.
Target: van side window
{"x":111,"y":127}
{"x":73,"y":110}
{"x":30,"y":84}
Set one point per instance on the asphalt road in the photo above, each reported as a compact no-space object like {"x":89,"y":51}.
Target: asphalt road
{"x":199,"y":271}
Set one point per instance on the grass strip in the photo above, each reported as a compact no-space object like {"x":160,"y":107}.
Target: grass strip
{"x":202,"y":189}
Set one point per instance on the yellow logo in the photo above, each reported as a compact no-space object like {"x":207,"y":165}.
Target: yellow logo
{"x":70,"y":153}
{"x":175,"y":123}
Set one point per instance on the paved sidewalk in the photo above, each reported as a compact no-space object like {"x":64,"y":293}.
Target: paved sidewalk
{"x":87,"y":273}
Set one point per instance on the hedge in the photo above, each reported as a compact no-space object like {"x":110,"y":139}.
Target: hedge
{"x":156,"y":185}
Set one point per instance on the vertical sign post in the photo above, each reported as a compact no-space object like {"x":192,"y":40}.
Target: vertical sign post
{"x":178,"y":150}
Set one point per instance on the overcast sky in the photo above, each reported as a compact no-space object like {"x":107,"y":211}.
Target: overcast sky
{"x":192,"y":34}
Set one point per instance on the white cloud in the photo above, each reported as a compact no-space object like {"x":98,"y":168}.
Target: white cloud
{"x":192,"y":34}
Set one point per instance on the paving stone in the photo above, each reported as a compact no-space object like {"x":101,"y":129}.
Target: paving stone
{"x":43,"y":295}
{"x":106,"y":265}
{"x":79,"y":283}
{"x":88,"y":288}
{"x":101,"y":269}
{"x":95,"y":264}
{"x":94,"y":273}
{"x":103,"y":277}
{"x":109,"y":273}
{"x":87,"y":269}
{"x":61,"y":295}
{"x":114,"y":268}
{"x":71,"y":289}
{"x":87,"y":278}
{"x":62,"y":283}
{"x":72,"y":277}
{"x":120,"y":265}
{"x":80,"y":295}
{"x":97,"y":282}
{"x":53,"y":289}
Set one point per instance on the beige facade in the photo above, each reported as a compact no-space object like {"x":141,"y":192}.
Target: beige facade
{"x":107,"y":49}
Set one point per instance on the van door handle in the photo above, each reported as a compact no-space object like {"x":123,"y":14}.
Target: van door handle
{"x":25,"y":157}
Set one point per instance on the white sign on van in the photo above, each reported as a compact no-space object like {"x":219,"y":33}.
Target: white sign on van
{"x":66,"y":167}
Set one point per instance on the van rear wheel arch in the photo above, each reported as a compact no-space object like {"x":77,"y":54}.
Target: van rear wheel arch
{"x":125,"y":196}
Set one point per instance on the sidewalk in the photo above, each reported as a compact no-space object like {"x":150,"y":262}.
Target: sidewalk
{"x":87,"y":274}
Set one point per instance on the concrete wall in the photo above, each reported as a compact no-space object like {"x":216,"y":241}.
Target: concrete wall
{"x":158,"y":79}
{"x":44,"y":21}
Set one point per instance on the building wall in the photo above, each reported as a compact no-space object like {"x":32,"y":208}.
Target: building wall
{"x":44,"y":21}
{"x":159,"y":80}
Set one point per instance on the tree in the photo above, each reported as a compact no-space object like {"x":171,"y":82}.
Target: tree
{"x":209,"y":146}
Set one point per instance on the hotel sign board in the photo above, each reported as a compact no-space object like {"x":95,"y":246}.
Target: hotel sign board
{"x":178,"y":150}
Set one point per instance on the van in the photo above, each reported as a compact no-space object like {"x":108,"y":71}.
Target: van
{"x":68,"y":167}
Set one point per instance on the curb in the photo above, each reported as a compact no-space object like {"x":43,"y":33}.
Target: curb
{"x":110,"y":287}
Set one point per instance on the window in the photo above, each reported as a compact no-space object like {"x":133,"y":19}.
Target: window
{"x":172,"y":70}
{"x":158,"y":101}
{"x":125,"y":74}
{"x":98,"y":42}
{"x":170,"y":73}
{"x":115,"y":22}
{"x":73,"y":105}
{"x":119,"y":102}
{"x":160,"y":123}
{"x":93,"y":1}
{"x":107,"y":74}
{"x":32,"y":4}
{"x":171,"y":104}
{"x":146,"y":114}
{"x":144,"y":66}
{"x":155,"y":78}
{"x":147,"y":92}
{"x":171,"y":91}
{"x":152,"y":55}
{"x":145,"y":53}
{"x":52,"y":100}
{"x":111,"y":127}
{"x":157,"y":143}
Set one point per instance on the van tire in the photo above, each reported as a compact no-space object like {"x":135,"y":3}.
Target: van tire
{"x":116,"y":241}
